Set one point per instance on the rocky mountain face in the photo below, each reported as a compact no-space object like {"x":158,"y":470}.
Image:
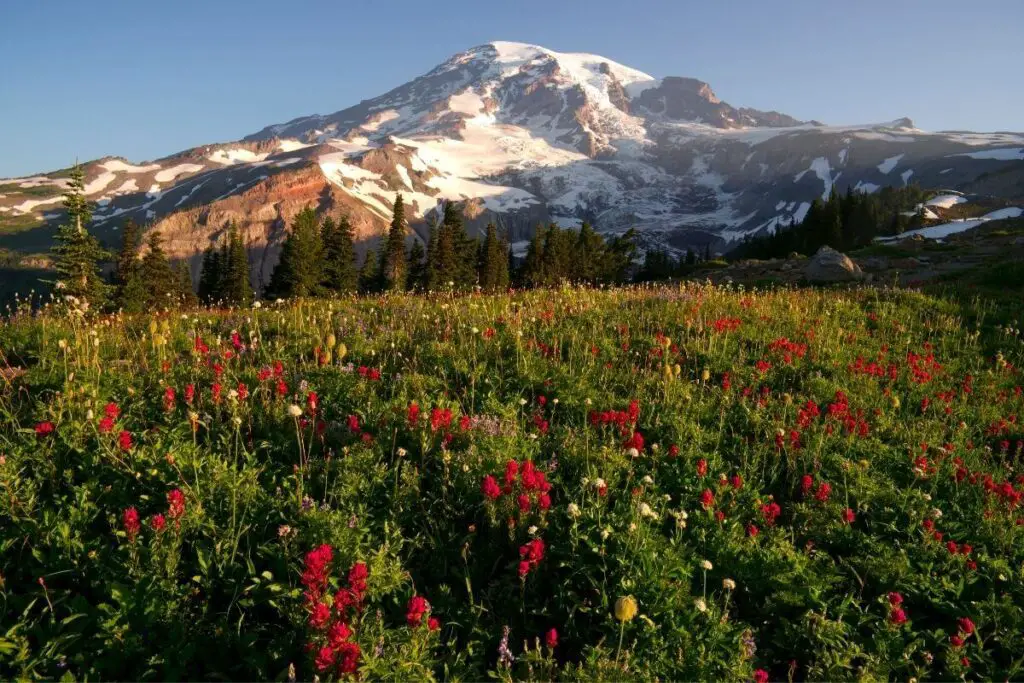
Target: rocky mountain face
{"x":521,"y":134}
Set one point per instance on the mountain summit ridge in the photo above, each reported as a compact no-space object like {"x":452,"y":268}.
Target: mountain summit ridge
{"x":521,"y":134}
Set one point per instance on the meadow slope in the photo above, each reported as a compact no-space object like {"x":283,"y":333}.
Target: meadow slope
{"x":676,"y":482}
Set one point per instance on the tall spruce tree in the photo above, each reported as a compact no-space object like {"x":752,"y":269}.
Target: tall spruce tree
{"x":185,"y":292}
{"x":532,"y":270}
{"x":417,"y":267}
{"x":234,"y":286}
{"x":369,"y":279}
{"x":443,"y":265}
{"x":340,"y":274}
{"x":156,"y":273}
{"x":209,"y":275}
{"x":77,"y":254}
{"x":300,"y":270}
{"x":393,"y":268}
{"x":493,"y":266}
{"x":588,"y":255}
{"x":128,"y":256}
{"x":557,"y":254}
{"x":130,"y":292}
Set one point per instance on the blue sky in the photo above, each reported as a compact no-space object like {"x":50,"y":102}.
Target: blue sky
{"x":145,"y":79}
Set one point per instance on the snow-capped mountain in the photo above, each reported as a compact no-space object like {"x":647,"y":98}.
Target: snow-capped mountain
{"x":522,"y":134}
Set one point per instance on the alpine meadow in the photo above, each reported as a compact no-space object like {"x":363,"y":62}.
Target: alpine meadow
{"x":535,"y":367}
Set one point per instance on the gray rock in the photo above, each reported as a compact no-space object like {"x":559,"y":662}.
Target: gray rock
{"x":829,"y":265}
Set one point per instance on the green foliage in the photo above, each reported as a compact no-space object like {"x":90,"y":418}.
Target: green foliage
{"x":493,"y":261}
{"x":393,"y":269}
{"x":340,"y":273}
{"x":369,"y":277}
{"x":168,"y":485}
{"x":224,"y":276}
{"x":451,"y":254}
{"x":557,"y":255}
{"x":843,"y":222}
{"x":77,"y":254}
{"x":417,"y":267}
{"x":300,"y":271}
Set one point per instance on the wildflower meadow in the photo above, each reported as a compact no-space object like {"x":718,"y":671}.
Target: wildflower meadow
{"x":676,"y":482}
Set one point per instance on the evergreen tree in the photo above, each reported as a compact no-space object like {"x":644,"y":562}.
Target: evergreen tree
{"x":210,"y":276}
{"x":134,"y":295}
{"x":369,"y":279}
{"x":183,"y":279}
{"x":300,"y":270}
{"x":619,"y":257}
{"x":493,"y":262}
{"x":127,"y":258}
{"x":339,"y":259}
{"x":393,"y":267}
{"x":430,"y":267}
{"x":557,"y":254}
{"x":129,"y":298}
{"x":587,"y":255}
{"x":234,"y":285}
{"x":77,"y":254}
{"x":156,"y":273}
{"x":532,"y":271}
{"x":417,"y":267}
{"x":444,"y":267}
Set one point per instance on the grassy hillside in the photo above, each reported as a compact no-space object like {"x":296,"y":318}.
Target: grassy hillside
{"x":671,"y":483}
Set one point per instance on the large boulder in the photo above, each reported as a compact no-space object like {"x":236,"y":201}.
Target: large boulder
{"x":829,"y":265}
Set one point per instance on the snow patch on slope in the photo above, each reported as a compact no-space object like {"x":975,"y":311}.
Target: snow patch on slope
{"x":944,"y":201}
{"x":170,"y":174}
{"x":1004,"y":154}
{"x":890,"y":163}
{"x":118,"y":166}
{"x":228,"y":157}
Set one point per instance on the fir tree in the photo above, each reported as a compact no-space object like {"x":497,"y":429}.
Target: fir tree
{"x":444,"y":267}
{"x":417,"y":267}
{"x":156,"y":273}
{"x":557,"y":255}
{"x":532,"y":271}
{"x":369,"y":280}
{"x":493,"y":262}
{"x":129,"y":298}
{"x":77,"y":254}
{"x":186,"y":294}
{"x":299,"y":272}
{"x":392,"y":258}
{"x":127,"y":258}
{"x":134,"y":294}
{"x":339,"y":259}
{"x":587,"y":255}
{"x":234,"y":286}
{"x":210,"y":276}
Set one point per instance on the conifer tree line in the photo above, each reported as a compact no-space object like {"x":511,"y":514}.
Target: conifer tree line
{"x":134,"y":284}
{"x":842,"y":222}
{"x":224,"y":278}
{"x":151,"y":282}
{"x":318,"y":256}
{"x":319,"y":259}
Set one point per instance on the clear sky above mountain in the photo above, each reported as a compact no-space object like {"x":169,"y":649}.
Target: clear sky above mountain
{"x":142,"y":80}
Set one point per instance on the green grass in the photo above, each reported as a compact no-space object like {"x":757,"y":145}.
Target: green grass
{"x":10,"y":224}
{"x":32,"y":192}
{"x":163,"y":528}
